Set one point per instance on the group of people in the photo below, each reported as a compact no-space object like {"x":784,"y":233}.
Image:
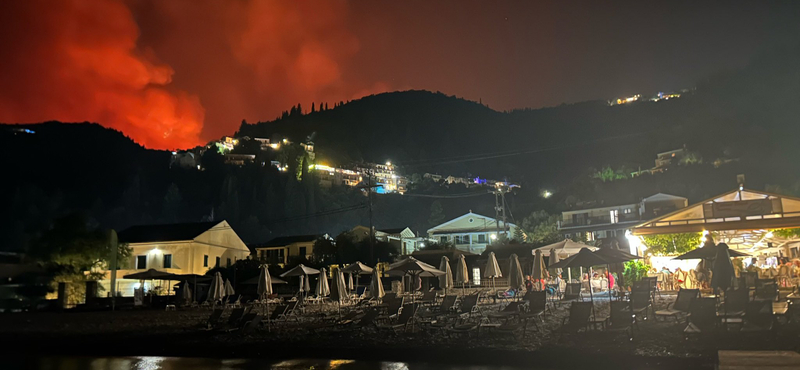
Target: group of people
{"x":787,"y":273}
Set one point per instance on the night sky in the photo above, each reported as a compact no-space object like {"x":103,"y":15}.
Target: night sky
{"x":179,"y":73}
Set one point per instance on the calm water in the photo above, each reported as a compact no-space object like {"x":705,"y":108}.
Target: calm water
{"x":179,"y":363}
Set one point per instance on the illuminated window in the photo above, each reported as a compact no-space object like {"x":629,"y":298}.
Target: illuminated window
{"x":614,"y":214}
{"x":141,"y":262}
{"x":167,"y":261}
{"x":476,"y":276}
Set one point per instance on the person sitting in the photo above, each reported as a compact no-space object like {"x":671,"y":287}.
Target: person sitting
{"x":528,"y":283}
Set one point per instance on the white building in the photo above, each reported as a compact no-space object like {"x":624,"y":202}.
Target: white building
{"x":190,"y":248}
{"x":471,"y":232}
{"x":608,"y":221}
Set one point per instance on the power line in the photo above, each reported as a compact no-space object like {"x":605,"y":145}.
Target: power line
{"x":318,"y":214}
{"x":468,"y":195}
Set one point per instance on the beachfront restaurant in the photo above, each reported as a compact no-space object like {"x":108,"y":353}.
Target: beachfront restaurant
{"x":756,"y":223}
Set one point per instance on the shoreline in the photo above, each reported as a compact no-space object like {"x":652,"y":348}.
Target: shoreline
{"x":657,"y":345}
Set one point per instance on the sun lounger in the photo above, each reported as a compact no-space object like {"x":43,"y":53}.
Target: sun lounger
{"x":428,"y":298}
{"x":448,"y":302}
{"x":640,"y":303}
{"x":702,"y":317}
{"x":734,"y":306}
{"x":579,"y":313}
{"x":233,"y":320}
{"x":681,"y":304}
{"x":213,"y":320}
{"x":571,"y":293}
{"x":250,"y":323}
{"x":367,"y":320}
{"x":759,"y":317}
{"x":621,"y":318}
{"x":404,"y":319}
{"x":508,"y":312}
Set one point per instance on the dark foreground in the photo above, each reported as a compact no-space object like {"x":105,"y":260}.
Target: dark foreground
{"x":29,"y":337}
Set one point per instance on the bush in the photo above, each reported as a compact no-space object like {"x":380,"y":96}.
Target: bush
{"x":634,"y":271}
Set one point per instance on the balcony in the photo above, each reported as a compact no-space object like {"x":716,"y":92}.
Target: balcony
{"x":598,"y":220}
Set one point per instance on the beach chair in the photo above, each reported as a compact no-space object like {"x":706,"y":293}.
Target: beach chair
{"x":468,"y":306}
{"x":405,"y":317}
{"x":448,"y":302}
{"x":702,"y":317}
{"x":250,"y":323}
{"x":508,"y":312}
{"x":759,"y":317}
{"x":537,"y":307}
{"x":735,"y":303}
{"x":579,"y":314}
{"x":571,"y":293}
{"x":766,"y":289}
{"x":621,"y":318}
{"x":389,"y":296}
{"x":428,"y":298}
{"x":680,"y":306}
{"x":278,"y":313}
{"x":394,"y":307}
{"x":640,"y":303}
{"x":213,"y":319}
{"x":233,"y":319}
{"x":367,"y":320}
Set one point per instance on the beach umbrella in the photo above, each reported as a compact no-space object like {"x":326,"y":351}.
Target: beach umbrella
{"x":446,"y":280}
{"x":413,"y":268}
{"x":339,"y":287}
{"x":264,"y":283}
{"x":217,"y":288}
{"x":376,"y":286}
{"x":349,"y":282}
{"x":272,"y":279}
{"x":565,"y":247}
{"x":187,"y":293}
{"x":538,"y":272}
{"x":584,"y":258}
{"x":492,"y":268}
{"x":358,"y":269}
{"x":515,"y":278}
{"x":553,"y":260}
{"x":264,"y":288}
{"x":300,"y":270}
{"x":707,"y":252}
{"x":323,"y":290}
{"x":228,"y":288}
{"x":615,"y":258}
{"x":462,"y":273}
{"x":722,"y":269}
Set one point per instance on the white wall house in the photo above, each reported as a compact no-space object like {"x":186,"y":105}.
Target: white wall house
{"x":190,"y":248}
{"x":471,"y":232}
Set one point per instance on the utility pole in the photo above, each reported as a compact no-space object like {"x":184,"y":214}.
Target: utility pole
{"x":371,"y":228}
{"x":500,"y":206}
{"x":369,"y":188}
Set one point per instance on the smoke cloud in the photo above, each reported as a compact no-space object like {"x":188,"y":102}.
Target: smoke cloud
{"x":78,"y":60}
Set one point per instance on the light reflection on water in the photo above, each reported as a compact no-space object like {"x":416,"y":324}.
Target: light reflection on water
{"x":181,"y":363}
